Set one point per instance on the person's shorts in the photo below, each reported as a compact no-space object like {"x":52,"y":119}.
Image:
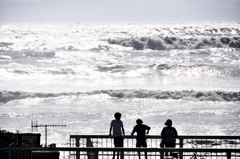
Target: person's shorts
{"x":172,"y":144}
{"x":118,"y":141}
{"x":141,"y":143}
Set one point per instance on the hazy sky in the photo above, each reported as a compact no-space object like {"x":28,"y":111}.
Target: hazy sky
{"x":118,"y":10}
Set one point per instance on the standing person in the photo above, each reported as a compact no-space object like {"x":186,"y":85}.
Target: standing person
{"x":117,"y":128}
{"x":169,"y":135}
{"x":141,"y":130}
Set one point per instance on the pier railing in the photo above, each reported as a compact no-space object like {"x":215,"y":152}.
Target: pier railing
{"x":105,"y":152}
{"x":185,"y":143}
{"x":101,"y":147}
{"x":153,"y":141}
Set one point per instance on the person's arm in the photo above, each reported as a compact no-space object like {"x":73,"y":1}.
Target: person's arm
{"x":110,"y":131}
{"x":176,"y":134}
{"x":123,"y":130}
{"x":162,"y":133}
{"x":111,"y":127}
{"x":148,"y":128}
{"x":133,"y":131}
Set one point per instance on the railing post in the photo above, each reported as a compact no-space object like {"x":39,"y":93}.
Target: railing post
{"x":89,"y":142}
{"x":90,"y":154}
{"x":228,"y":155}
{"x":122,"y":153}
{"x":9,"y":151}
{"x":181,"y":146}
{"x":161,"y":154}
{"x":77,"y":145}
{"x":95,"y":154}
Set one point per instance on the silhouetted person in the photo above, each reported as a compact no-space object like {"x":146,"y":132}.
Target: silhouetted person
{"x":118,"y":131}
{"x":169,"y":135}
{"x":141,"y":130}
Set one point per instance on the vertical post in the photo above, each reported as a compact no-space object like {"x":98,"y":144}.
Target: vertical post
{"x":122,"y":153}
{"x":9,"y":151}
{"x":19,"y":139}
{"x":77,"y":141}
{"x":45,"y":135}
{"x":228,"y":155}
{"x":38,"y":140}
{"x":95,"y":154}
{"x":32,"y":125}
{"x":181,"y":146}
{"x":161,"y":154}
{"x":90,"y":154}
{"x":77,"y":145}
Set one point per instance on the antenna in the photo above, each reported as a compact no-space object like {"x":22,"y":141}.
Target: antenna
{"x":35,"y":125}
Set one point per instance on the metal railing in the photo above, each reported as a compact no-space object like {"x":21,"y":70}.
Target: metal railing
{"x":101,"y":147}
{"x":187,"y":142}
{"x":96,"y":153}
{"x":154,"y":141}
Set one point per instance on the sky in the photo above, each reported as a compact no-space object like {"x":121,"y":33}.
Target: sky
{"x":118,"y":10}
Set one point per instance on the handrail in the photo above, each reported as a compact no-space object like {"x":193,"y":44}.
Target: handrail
{"x":184,"y":142}
{"x":143,"y":149}
{"x":158,"y":136}
{"x":228,"y":151}
{"x":122,"y":149}
{"x":181,"y":139}
{"x":228,"y":146}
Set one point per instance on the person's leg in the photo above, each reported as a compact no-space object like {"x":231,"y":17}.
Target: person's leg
{"x":167,"y":145}
{"x":144,"y":144}
{"x":116,"y":144}
{"x":146,"y":155}
{"x":173,"y":145}
{"x":121,"y":145}
{"x":118,"y":153}
{"x":139,"y":155}
{"x":114,"y":154}
{"x":138,"y":144}
{"x":122,"y":154}
{"x":170,"y":145}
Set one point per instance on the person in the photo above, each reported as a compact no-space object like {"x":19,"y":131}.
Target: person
{"x":141,"y":130}
{"x":169,"y":135}
{"x":117,"y":128}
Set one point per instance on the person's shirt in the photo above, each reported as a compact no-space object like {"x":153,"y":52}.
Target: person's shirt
{"x":169,"y":134}
{"x":117,"y":126}
{"x":141,"y":131}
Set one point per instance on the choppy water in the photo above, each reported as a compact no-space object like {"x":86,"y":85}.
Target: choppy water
{"x":82,"y":73}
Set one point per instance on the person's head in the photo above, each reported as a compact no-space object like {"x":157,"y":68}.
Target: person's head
{"x":139,"y":121}
{"x":117,"y":115}
{"x":168,"y":122}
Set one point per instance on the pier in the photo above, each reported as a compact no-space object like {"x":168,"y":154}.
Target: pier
{"x":102,"y":147}
{"x":187,"y":147}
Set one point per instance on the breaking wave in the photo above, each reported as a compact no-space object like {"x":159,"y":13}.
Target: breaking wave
{"x":172,"y":42}
{"x":6,"y":96}
{"x":25,"y":54}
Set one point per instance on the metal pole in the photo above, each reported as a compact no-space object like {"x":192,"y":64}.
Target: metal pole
{"x":228,"y":155}
{"x":45,"y":135}
{"x":181,"y":146}
{"x":77,"y":145}
{"x":162,"y":155}
{"x":9,"y":151}
{"x":95,"y":154}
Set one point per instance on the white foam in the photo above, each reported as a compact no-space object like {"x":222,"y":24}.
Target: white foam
{"x":81,"y":74}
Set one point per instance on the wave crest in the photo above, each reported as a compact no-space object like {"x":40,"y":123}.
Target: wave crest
{"x":6,"y":96}
{"x":184,"y":94}
{"x":167,"y":43}
{"x":27,"y":54}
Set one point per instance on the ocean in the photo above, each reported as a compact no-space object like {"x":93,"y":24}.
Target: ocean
{"x":80,"y":74}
